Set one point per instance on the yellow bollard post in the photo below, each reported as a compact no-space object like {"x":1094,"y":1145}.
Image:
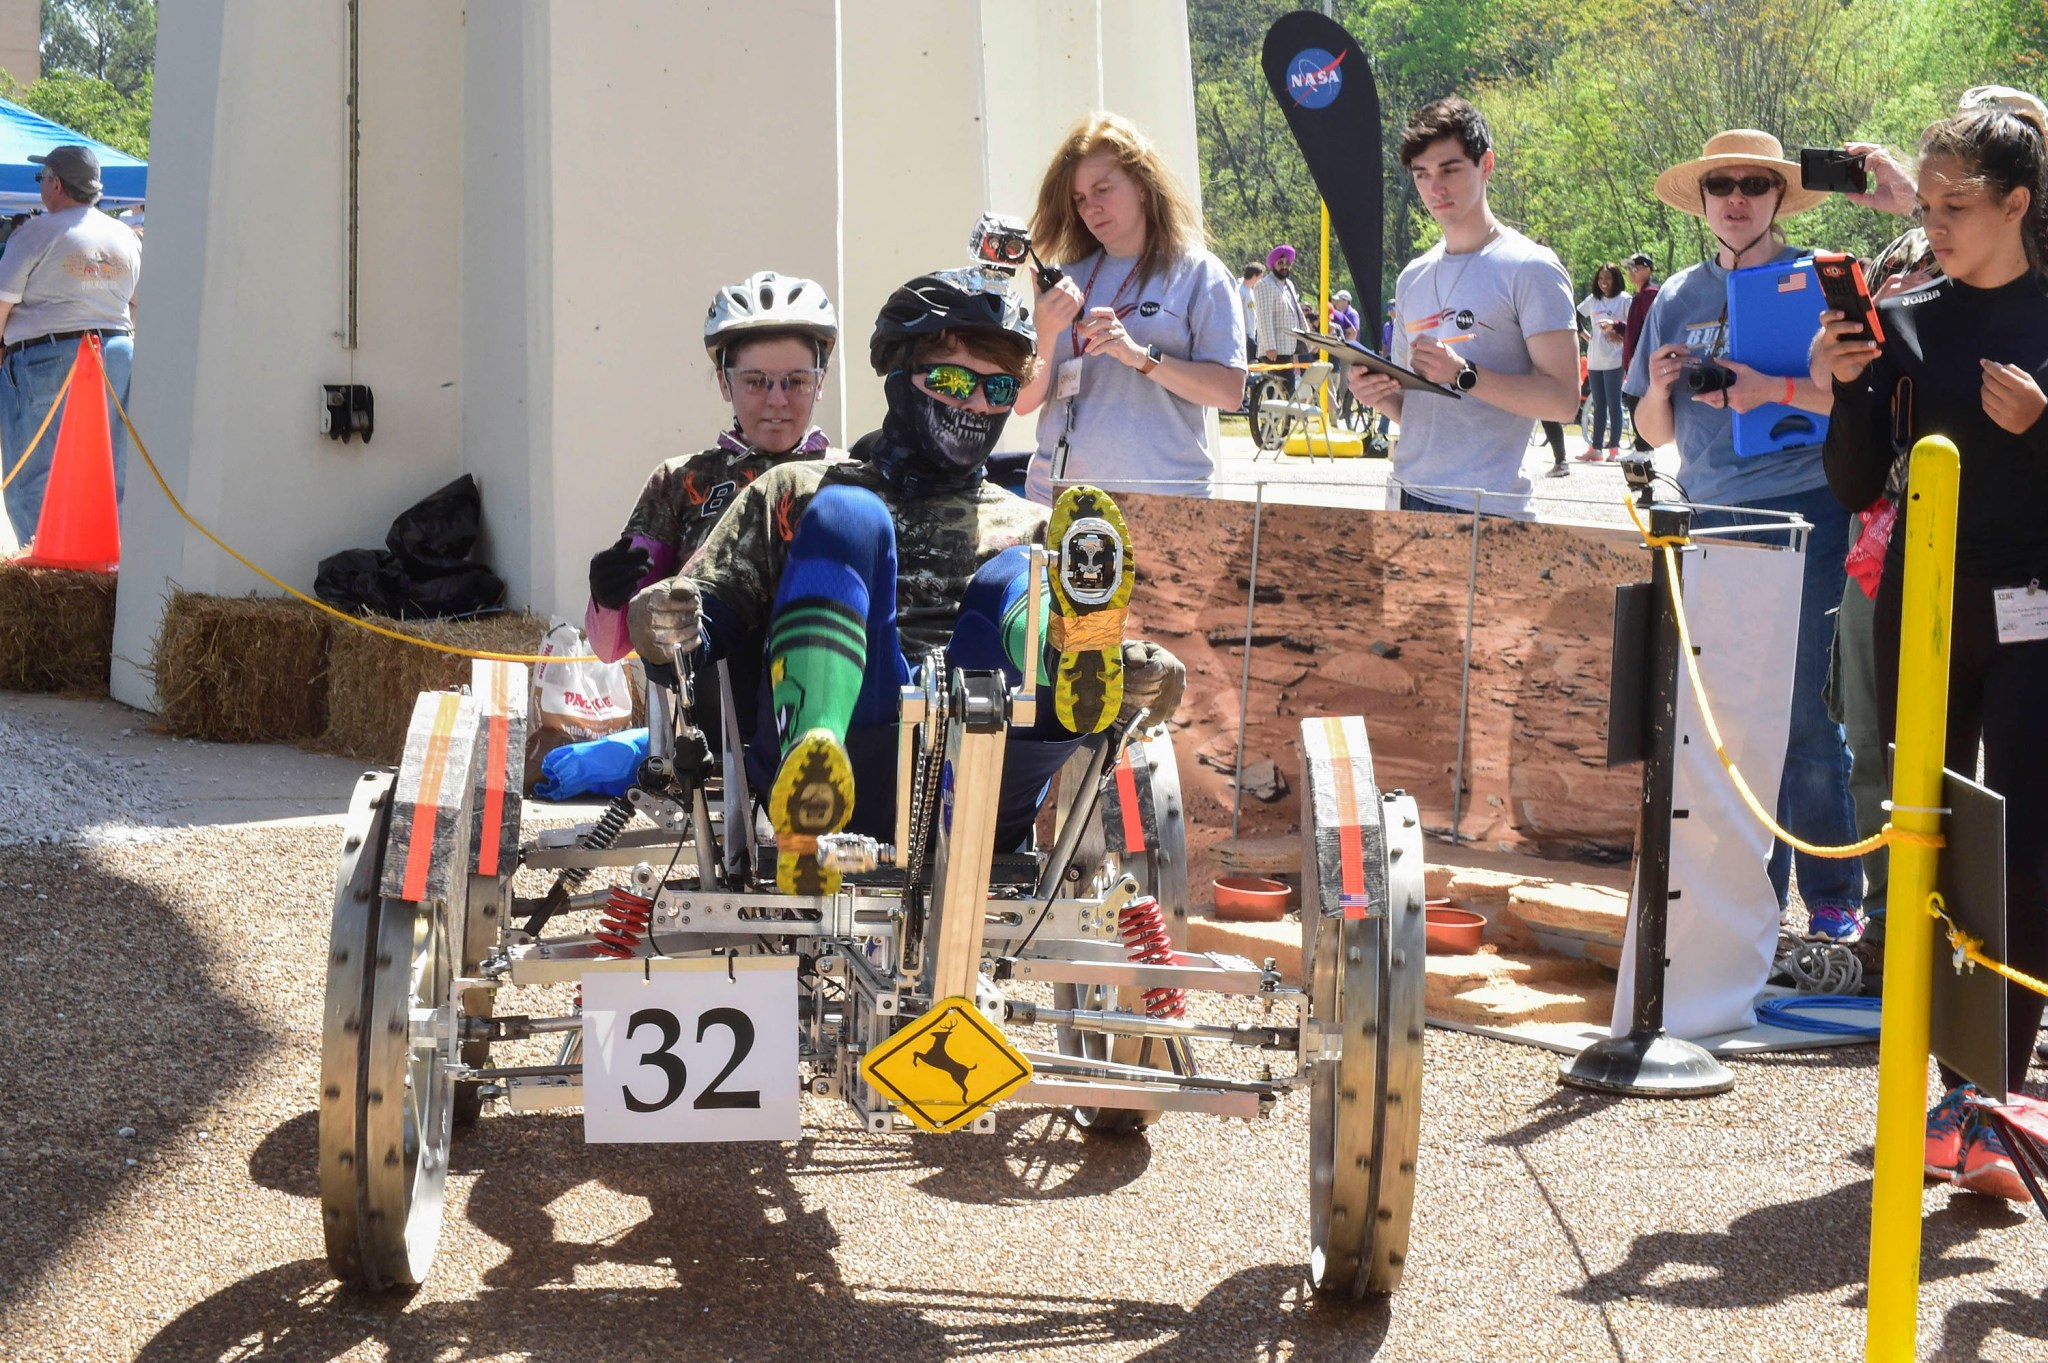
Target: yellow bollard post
{"x":1323,"y":322}
{"x":1926,"y":601}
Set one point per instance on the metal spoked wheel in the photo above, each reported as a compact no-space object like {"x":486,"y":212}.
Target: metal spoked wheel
{"x":1144,"y":806}
{"x":1362,"y":931}
{"x":389,"y":1040}
{"x":1271,"y":429}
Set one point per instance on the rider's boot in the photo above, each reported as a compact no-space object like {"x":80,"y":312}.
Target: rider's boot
{"x":1092,"y":578}
{"x":812,"y":796}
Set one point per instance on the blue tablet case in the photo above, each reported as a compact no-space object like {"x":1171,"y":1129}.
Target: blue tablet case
{"x":1773,"y":313}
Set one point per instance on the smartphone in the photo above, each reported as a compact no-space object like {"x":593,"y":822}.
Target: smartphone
{"x":1843,"y":285}
{"x":1833,"y":171}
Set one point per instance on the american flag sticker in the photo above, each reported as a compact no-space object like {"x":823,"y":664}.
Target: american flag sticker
{"x":1792,"y":283}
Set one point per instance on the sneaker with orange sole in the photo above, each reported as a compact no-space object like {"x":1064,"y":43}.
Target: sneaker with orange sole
{"x":1988,"y":1167}
{"x":1946,"y":1122}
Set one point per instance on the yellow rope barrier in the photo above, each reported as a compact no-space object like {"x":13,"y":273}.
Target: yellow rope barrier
{"x":290,"y":590}
{"x":48,"y":416}
{"x":1884,"y":837}
{"x":1971,"y":949}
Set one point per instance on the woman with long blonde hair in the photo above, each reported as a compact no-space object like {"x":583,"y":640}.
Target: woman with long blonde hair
{"x":1145,"y":330}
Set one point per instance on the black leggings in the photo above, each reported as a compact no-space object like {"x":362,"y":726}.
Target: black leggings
{"x":1553,"y":431}
{"x":1999,"y":693}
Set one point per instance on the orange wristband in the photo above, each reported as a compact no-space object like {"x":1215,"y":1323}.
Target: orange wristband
{"x":1788,"y":390}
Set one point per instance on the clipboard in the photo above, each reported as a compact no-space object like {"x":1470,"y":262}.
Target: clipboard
{"x":1354,"y":353}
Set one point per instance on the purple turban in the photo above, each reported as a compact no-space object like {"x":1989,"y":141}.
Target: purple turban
{"x":1279,"y":253}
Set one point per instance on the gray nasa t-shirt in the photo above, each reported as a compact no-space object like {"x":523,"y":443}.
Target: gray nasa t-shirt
{"x":69,"y":271}
{"x":1130,"y":434}
{"x":1692,"y":309}
{"x":1500,"y":295}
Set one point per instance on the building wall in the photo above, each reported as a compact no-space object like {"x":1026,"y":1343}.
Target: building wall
{"x":21,"y":40}
{"x":549,"y":194}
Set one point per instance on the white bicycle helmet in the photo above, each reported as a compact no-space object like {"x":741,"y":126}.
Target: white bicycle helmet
{"x":770,"y":302}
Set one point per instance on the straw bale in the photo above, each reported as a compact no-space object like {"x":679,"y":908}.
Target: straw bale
{"x":241,"y":669}
{"x":56,"y":629}
{"x":373,"y":681}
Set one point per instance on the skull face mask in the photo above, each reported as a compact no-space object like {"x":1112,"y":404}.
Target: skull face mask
{"x":930,"y":446}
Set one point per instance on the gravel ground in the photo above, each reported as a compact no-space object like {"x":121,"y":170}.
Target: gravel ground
{"x":53,"y":792}
{"x":171,"y":990}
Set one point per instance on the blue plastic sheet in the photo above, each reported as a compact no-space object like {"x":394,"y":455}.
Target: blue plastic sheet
{"x":602,"y":766}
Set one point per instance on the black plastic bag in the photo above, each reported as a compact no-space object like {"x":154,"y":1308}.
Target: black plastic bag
{"x":425,"y":572}
{"x":436,"y":534}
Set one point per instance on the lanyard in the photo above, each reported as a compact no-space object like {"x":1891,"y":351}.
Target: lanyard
{"x":1074,"y":331}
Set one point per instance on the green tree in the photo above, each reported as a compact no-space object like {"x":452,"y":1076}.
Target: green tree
{"x":110,"y":40}
{"x":93,"y":107}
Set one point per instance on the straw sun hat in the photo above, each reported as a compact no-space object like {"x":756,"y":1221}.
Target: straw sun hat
{"x":1680,"y":185}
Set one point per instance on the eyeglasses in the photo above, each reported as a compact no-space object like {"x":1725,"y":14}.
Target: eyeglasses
{"x":758,"y":383}
{"x":959,"y":382}
{"x":1752,"y":186}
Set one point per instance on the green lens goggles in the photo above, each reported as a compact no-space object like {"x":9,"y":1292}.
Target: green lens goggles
{"x":959,"y":382}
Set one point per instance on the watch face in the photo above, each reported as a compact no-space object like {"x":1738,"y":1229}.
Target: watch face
{"x":1467,"y":377}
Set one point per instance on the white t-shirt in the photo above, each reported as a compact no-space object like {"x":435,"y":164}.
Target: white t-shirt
{"x":1603,"y":352}
{"x":1500,"y":295}
{"x":71,"y":270}
{"x":1129,"y":434}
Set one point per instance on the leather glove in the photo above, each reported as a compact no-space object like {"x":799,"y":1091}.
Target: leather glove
{"x":1153,"y":681}
{"x":665,"y":618}
{"x":616,"y":571}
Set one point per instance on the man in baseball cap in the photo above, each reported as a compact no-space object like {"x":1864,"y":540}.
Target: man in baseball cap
{"x":66,"y":274}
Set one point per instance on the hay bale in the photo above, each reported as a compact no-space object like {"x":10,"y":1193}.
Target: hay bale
{"x":373,"y":681}
{"x":56,"y":629}
{"x":241,"y":669}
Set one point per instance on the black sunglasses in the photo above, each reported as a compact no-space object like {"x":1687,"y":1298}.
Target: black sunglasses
{"x":1752,"y":186}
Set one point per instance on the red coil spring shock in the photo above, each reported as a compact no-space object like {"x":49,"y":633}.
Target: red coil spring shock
{"x":623,"y":925}
{"x":1142,"y":926}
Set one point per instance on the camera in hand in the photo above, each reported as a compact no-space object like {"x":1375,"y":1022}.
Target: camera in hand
{"x":1708,"y":377}
{"x":1831,"y":170}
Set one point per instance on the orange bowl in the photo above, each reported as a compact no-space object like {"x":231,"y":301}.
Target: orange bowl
{"x":1252,"y":899}
{"x":1452,"y":931}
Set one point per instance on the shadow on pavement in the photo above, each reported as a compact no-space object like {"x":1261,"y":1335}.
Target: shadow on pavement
{"x":111,"y":1022}
{"x":1728,"y":1271}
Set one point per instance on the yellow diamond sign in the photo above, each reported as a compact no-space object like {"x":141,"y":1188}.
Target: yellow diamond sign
{"x":947,"y":1067}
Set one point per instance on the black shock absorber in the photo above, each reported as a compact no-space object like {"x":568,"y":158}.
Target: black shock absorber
{"x":602,"y":834}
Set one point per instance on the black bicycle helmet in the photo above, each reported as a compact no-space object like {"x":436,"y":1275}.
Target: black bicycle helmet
{"x":950,"y":300}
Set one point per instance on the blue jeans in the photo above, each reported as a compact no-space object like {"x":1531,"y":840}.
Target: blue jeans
{"x":1603,"y":408}
{"x":1411,"y":502}
{"x":29,"y":380}
{"x":1813,"y":794}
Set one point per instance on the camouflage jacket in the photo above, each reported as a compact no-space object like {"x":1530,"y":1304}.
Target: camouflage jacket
{"x":685,"y":497}
{"x":940,"y":542}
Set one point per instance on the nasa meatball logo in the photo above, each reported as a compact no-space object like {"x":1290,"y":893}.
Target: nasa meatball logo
{"x":1148,"y":309}
{"x":1313,"y":78}
{"x":1465,"y":319}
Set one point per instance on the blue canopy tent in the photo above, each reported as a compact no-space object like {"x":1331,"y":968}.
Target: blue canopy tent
{"x":25,"y":133}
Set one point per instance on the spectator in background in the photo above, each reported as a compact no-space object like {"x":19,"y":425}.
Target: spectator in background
{"x":1144,"y":332}
{"x":66,"y":275}
{"x":1247,"y":289}
{"x":1606,"y":307}
{"x":1642,"y":289}
{"x":1343,"y":317}
{"x":1280,"y":309}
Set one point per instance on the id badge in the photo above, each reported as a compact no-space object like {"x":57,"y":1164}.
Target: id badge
{"x":2022,"y":613}
{"x":1066,"y":383}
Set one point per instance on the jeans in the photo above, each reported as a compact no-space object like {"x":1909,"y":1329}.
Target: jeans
{"x":1603,"y":407}
{"x":1813,"y":795}
{"x":1411,"y":502}
{"x":29,"y":380}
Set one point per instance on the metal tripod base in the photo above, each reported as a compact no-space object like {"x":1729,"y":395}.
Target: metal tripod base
{"x":1647,"y":1065}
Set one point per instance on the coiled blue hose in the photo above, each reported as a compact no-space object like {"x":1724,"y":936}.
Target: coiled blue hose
{"x":1787,"y":1013}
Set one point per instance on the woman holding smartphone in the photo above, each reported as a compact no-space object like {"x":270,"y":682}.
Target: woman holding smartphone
{"x":1966,"y":357}
{"x":1606,"y":308}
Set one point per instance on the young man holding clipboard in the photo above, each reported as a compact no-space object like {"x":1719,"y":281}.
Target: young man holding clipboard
{"x":1486,"y":312}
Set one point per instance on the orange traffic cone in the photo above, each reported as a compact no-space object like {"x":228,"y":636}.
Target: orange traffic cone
{"x":80,"y":527}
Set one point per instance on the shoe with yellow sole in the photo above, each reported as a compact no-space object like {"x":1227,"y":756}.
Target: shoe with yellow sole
{"x":812,"y":796}
{"x":1092,"y":576}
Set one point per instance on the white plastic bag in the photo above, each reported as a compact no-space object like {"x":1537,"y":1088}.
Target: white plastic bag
{"x":582,"y":699}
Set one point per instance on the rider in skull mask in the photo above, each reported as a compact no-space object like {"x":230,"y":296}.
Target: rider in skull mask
{"x":847,"y":573}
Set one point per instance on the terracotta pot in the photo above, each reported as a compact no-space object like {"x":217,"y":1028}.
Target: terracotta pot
{"x":1252,"y":899}
{"x":1452,"y":931}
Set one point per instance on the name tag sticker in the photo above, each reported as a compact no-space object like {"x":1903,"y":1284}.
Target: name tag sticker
{"x":1067,"y":379}
{"x":2022,"y":613}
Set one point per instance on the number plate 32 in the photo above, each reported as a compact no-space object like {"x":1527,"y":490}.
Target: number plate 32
{"x":690,"y":1050}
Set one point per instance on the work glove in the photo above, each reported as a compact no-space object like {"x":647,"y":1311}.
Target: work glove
{"x":665,"y":618}
{"x":616,"y":571}
{"x":1153,"y":682}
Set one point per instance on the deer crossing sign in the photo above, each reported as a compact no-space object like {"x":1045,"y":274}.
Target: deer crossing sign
{"x":947,"y":1067}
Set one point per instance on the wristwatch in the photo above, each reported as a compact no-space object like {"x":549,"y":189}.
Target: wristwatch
{"x":1465,"y":378}
{"x":1152,"y":359}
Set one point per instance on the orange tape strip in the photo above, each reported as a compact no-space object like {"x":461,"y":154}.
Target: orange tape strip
{"x":1350,"y":839}
{"x":1127,"y":803}
{"x":494,"y":776}
{"x":426,"y":805}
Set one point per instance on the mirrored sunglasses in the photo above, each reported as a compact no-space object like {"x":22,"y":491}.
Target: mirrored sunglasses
{"x":959,"y":382}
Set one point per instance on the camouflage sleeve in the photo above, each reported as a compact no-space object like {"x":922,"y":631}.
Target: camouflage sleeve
{"x":740,"y":561}
{"x":668,"y":505}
